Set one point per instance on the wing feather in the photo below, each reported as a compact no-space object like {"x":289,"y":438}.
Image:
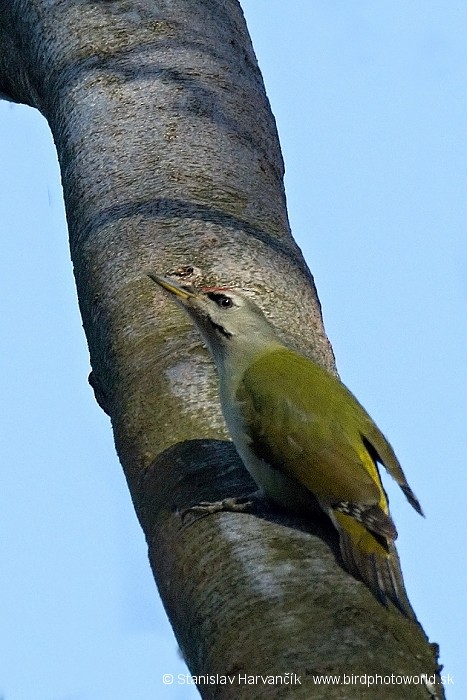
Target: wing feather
{"x":304,"y":428}
{"x":302,"y":421}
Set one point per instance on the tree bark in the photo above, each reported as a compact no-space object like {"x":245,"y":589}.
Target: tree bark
{"x":170,"y":162}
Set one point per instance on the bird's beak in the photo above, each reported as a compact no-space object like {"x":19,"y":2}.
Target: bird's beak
{"x":176,"y":290}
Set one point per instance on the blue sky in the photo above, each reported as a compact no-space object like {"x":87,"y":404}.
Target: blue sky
{"x":371,"y":105}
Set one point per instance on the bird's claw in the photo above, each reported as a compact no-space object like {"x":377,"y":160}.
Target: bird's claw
{"x":242,"y":504}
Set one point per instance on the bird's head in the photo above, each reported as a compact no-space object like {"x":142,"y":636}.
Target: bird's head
{"x":228,"y":320}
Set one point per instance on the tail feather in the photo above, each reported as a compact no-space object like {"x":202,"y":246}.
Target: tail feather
{"x":374,"y":560}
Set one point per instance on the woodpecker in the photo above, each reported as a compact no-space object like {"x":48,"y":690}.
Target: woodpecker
{"x":302,"y":435}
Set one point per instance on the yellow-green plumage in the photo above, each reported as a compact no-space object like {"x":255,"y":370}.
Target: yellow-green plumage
{"x":302,"y":434}
{"x":303,"y":421}
{"x":289,"y":400}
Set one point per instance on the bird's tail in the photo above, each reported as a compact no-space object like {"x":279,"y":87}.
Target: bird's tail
{"x":373,"y":558}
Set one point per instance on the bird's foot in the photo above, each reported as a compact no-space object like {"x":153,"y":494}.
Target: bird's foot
{"x":241,"y":504}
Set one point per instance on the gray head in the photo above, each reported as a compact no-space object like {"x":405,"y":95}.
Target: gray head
{"x":230,"y":322}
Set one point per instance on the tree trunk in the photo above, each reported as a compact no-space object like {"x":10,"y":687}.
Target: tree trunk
{"x":170,"y":162}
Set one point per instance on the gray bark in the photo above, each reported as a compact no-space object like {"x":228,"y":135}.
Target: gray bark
{"x":170,"y":159}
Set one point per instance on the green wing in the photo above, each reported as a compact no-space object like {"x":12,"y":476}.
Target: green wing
{"x":303,"y":421}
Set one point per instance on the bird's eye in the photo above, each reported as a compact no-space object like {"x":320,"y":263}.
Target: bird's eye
{"x":224,"y":302}
{"x":221,"y":300}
